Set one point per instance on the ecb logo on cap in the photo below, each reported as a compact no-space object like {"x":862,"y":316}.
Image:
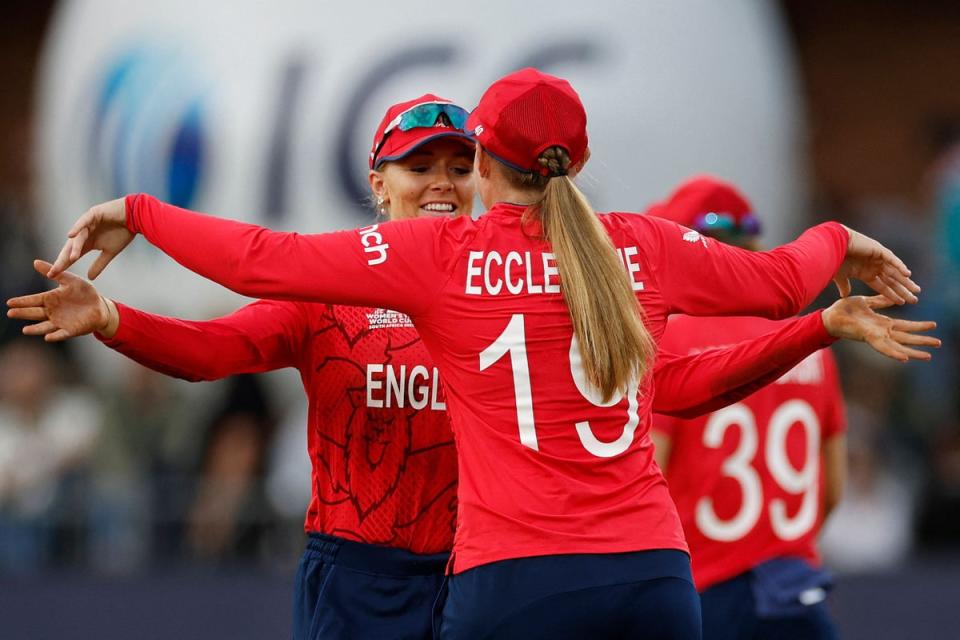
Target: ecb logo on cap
{"x":478,"y":130}
{"x":148,"y":130}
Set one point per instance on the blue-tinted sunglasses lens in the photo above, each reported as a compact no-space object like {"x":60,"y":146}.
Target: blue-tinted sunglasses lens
{"x":714,"y":222}
{"x":427,"y":115}
{"x":724,"y":225}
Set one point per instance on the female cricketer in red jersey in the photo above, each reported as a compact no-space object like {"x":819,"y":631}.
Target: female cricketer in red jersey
{"x":753,"y":481}
{"x":381,"y":517}
{"x":565,"y":527}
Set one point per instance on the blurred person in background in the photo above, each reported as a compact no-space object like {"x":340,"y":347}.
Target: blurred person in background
{"x":136,"y":469}
{"x":47,"y":434}
{"x":17,"y":242}
{"x":871,"y":529}
{"x":17,"y":215}
{"x":752,"y":504}
{"x":935,"y":403}
{"x":230,"y":519}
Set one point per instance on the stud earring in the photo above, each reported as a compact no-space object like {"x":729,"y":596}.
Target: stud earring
{"x":383,"y":209}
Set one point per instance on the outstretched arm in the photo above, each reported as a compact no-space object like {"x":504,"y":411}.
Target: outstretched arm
{"x":694,"y":384}
{"x":701,"y":276}
{"x":393,"y":265}
{"x":262,"y":336}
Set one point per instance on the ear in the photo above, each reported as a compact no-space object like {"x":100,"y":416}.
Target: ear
{"x":377,"y":184}
{"x":482,"y":163}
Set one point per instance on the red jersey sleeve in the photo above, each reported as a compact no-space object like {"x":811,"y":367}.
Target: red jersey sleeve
{"x":396,"y":264}
{"x":700,"y":276}
{"x":690,"y":385}
{"x":835,"y":418}
{"x":262,"y":336}
{"x":664,"y":424}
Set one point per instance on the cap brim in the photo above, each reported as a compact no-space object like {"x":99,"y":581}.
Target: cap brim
{"x":407,"y":146}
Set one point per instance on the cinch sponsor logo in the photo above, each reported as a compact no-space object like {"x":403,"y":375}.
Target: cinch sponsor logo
{"x":388,"y":319}
{"x":515,"y":273}
{"x":372,"y":242}
{"x":389,"y":386}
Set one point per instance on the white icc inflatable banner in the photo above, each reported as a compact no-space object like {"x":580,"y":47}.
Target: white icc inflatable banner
{"x":265,"y":111}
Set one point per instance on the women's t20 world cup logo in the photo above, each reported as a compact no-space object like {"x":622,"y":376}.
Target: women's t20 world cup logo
{"x":148,"y":132}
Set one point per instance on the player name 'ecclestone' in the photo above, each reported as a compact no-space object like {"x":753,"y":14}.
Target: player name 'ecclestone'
{"x":514,"y":273}
{"x":389,"y":386}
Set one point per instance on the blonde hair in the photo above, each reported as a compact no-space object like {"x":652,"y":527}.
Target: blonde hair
{"x":615,"y":346}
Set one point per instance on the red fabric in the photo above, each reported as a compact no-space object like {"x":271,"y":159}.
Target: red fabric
{"x":515,"y":501}
{"x":384,"y":466}
{"x":695,"y":383}
{"x":525,"y":112}
{"x":806,"y":402}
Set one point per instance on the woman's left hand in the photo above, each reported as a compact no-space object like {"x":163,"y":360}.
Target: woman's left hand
{"x":74,"y":308}
{"x":855,"y":318}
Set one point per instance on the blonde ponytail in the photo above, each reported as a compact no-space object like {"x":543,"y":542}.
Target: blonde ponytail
{"x":615,"y":346}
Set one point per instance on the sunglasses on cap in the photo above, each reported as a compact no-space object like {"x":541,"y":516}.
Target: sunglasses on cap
{"x":423,"y":115}
{"x":724,"y":224}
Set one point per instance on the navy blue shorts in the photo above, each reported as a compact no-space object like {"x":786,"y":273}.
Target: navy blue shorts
{"x":731,"y":612}
{"x":646,"y":594}
{"x":348,"y":589}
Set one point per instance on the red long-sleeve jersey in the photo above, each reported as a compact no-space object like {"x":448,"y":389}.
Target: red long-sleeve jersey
{"x":545,"y":467}
{"x":747,"y":479}
{"x":383,"y":462}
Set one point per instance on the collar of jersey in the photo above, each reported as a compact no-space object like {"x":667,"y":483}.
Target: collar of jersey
{"x":508,"y":209}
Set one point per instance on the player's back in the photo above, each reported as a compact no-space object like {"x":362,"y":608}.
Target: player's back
{"x":540,"y":453}
{"x":748,"y":479}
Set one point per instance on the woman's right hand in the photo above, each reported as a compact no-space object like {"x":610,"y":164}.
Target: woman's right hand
{"x":74,"y":308}
{"x":103,"y":227}
{"x":855,"y":318}
{"x":878,"y":267}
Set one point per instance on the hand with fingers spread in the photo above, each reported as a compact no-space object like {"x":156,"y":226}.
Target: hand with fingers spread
{"x":73,"y":309}
{"x":855,"y":318}
{"x":103,"y":227}
{"x":878,"y":267}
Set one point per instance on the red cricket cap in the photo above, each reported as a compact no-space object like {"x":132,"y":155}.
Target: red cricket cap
{"x":524,"y":113}
{"x":396,"y":144}
{"x":700,"y":195}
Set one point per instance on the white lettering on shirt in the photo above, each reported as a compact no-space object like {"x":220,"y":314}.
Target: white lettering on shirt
{"x":550,"y":270}
{"x":493,"y":288}
{"x":531,"y":286}
{"x":472,"y":272}
{"x":388,"y":319}
{"x":492,"y":274}
{"x":372,"y":242}
{"x":513,"y":287}
{"x":626,"y":255}
{"x":390,"y":386}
